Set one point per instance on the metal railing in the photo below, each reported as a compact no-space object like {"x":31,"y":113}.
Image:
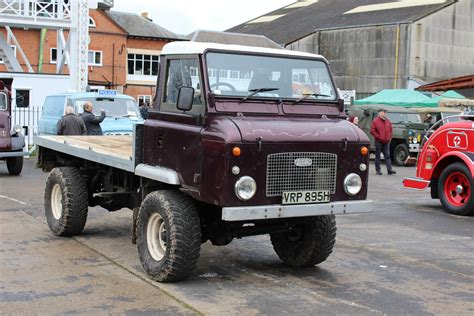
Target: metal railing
{"x":28,"y":118}
{"x":52,"y":9}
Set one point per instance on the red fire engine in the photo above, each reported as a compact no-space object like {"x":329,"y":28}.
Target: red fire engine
{"x":446,"y":164}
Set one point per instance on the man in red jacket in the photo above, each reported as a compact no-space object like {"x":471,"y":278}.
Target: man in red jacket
{"x":381,"y":129}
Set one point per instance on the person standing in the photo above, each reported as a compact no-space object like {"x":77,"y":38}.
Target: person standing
{"x":354,"y":120}
{"x":91,"y":121}
{"x":381,"y":130}
{"x":70,"y":124}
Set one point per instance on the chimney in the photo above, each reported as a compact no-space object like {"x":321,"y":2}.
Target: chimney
{"x":145,"y":15}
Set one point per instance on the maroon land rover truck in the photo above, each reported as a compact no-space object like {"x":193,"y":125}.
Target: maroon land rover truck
{"x":241,"y":141}
{"x":12,"y":141}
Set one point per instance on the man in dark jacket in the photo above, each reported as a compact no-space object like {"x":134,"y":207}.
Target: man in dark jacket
{"x":92,"y":122}
{"x":70,"y":124}
{"x":381,"y":129}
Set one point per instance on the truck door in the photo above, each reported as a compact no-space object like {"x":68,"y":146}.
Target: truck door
{"x":177,"y":134}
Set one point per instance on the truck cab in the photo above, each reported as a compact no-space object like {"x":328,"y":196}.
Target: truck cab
{"x":12,"y":141}
{"x":259,"y":123}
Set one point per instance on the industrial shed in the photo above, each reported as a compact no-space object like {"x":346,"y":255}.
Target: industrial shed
{"x":377,"y":44}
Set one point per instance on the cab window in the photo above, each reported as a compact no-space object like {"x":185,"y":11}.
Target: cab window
{"x":182,"y":73}
{"x":54,"y":106}
{"x":3,"y":101}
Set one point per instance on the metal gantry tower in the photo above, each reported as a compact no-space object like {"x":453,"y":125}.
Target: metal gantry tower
{"x":59,"y":15}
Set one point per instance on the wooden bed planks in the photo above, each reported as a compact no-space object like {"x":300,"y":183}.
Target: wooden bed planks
{"x":115,"y":145}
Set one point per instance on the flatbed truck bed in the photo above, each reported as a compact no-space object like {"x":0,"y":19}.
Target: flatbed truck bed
{"x":114,"y":151}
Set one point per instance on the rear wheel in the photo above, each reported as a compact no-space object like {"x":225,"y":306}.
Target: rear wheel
{"x":65,"y":201}
{"x":307,"y":244}
{"x":455,"y":187}
{"x":168,"y":236}
{"x":14,"y":165}
{"x":400,"y":154}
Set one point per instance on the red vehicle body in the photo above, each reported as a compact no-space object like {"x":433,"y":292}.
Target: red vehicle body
{"x":446,"y":165}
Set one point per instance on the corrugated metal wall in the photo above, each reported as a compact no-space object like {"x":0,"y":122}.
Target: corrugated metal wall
{"x":442,"y":44}
{"x":434,"y":48}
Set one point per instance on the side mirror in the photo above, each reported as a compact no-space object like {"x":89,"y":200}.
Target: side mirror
{"x":185,"y":98}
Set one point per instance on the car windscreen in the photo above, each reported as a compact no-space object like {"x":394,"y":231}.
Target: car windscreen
{"x":3,"y":101}
{"x":267,"y":76}
{"x":113,"y":106}
{"x":403,"y":117}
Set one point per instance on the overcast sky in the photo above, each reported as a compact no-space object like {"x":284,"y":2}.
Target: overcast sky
{"x":186,"y":16}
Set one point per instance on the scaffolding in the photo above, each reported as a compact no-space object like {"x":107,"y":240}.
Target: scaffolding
{"x":59,"y":15}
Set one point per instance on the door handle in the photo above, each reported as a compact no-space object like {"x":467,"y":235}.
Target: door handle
{"x":160,"y":141}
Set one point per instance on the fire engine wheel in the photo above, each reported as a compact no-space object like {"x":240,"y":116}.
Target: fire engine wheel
{"x":14,"y":165}
{"x":307,"y":244}
{"x":168,"y":236}
{"x":66,"y":201}
{"x":400,"y":154}
{"x":455,"y":187}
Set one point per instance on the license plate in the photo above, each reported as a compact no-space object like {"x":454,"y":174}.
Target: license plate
{"x":305,"y":197}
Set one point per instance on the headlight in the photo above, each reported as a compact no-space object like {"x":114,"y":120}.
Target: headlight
{"x":352,"y":184}
{"x":245,"y":188}
{"x":17,"y":129}
{"x":415,"y":140}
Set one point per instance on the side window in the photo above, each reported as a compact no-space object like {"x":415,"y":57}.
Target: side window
{"x":54,"y":106}
{"x":182,"y":73}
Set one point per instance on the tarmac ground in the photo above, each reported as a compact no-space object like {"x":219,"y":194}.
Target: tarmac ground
{"x":406,"y":257}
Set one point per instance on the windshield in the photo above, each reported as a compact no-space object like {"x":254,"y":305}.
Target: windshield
{"x":3,"y":101}
{"x":404,"y":117}
{"x":263,"y":76}
{"x":112,"y":106}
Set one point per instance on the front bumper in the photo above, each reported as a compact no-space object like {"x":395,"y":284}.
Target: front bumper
{"x":246,"y":213}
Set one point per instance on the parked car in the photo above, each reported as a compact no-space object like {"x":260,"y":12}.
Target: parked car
{"x":122,"y":111}
{"x":408,"y":129}
{"x":12,"y":141}
{"x":446,"y":165}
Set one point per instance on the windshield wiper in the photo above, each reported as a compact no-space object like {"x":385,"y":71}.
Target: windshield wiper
{"x":307,"y":95}
{"x":255,"y":91}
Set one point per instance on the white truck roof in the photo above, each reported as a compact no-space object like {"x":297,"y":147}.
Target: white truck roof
{"x":184,"y":48}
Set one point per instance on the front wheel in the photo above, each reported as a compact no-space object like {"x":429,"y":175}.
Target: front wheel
{"x":168,"y":236}
{"x":306,"y":244}
{"x":455,"y":187}
{"x":65,"y":201}
{"x":14,"y":165}
{"x":400,"y":154}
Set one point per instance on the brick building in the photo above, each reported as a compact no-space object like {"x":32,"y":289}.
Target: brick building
{"x":123,"y":51}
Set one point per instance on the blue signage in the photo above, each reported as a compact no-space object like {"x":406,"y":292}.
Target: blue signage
{"x":107,"y":93}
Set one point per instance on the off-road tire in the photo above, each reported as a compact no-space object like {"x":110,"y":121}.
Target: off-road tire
{"x":182,"y":235}
{"x":400,"y":154}
{"x":467,"y":206}
{"x":309,"y":244}
{"x":70,"y":217}
{"x":14,"y":165}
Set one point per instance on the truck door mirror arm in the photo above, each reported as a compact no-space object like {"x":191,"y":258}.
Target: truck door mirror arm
{"x":185,"y":98}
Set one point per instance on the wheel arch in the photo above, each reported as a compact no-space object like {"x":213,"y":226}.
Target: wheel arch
{"x":449,"y":158}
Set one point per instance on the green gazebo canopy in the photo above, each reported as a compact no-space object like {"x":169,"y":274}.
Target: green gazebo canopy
{"x":451,"y":94}
{"x":397,"y":97}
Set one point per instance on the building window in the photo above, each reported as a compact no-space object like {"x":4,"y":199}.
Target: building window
{"x":144,"y":99}
{"x":13,"y":47}
{"x":22,"y":98}
{"x":144,"y":65}
{"x":91,"y":22}
{"x":223,"y":73}
{"x":234,"y":74}
{"x":94,"y":58}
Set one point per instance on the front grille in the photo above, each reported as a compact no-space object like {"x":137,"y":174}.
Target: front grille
{"x":284,"y":175}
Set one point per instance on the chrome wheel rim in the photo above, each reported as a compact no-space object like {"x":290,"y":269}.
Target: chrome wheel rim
{"x":156,"y":237}
{"x":56,"y":202}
